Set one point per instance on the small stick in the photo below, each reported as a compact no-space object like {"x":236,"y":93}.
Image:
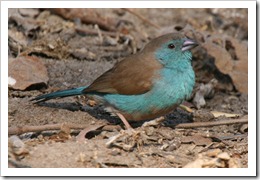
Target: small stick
{"x":99,"y":34}
{"x":186,"y":108}
{"x":209,"y":124}
{"x":24,"y":129}
{"x":154,"y":122}
{"x":86,"y":31}
{"x":141,"y":17}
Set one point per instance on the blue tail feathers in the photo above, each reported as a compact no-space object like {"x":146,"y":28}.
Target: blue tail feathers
{"x":60,"y":94}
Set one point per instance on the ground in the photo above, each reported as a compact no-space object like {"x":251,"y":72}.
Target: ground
{"x":70,"y":50}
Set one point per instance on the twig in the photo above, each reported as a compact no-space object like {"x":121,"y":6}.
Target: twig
{"x":24,"y":129}
{"x":154,"y":122}
{"x":87,"y":16}
{"x":186,"y":108}
{"x":209,"y":124}
{"x":222,"y":138}
{"x":99,"y":34}
{"x":141,"y":17}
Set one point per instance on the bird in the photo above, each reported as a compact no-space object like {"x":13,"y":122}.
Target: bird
{"x":145,"y":85}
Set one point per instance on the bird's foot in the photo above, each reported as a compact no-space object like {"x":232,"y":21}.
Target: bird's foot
{"x":130,"y":138}
{"x":126,"y":139}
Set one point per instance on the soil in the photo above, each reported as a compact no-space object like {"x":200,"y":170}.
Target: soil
{"x":83,"y":57}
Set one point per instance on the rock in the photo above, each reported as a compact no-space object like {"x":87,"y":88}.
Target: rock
{"x":16,"y":41}
{"x":83,"y":53}
{"x":26,"y":71}
{"x":204,"y":91}
{"x":17,"y":145}
{"x":224,"y":156}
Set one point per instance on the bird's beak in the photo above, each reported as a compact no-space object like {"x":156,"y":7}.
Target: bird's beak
{"x":188,"y":44}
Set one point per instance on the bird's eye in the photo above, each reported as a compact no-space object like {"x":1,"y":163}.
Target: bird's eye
{"x":171,"y":46}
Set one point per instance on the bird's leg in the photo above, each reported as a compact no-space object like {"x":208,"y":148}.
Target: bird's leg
{"x":123,"y":119}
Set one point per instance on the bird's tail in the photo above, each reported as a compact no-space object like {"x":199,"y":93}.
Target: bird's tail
{"x":59,"y":94}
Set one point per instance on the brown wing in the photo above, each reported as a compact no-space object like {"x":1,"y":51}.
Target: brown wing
{"x":132,"y":75}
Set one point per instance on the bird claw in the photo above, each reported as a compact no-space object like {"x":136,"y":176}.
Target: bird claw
{"x":129,"y":138}
{"x":126,"y":139}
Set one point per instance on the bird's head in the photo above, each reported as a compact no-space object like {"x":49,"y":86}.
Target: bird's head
{"x":172,"y":49}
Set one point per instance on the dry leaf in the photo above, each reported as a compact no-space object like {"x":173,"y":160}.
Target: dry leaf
{"x":197,"y":140}
{"x":26,"y":71}
{"x":217,"y":114}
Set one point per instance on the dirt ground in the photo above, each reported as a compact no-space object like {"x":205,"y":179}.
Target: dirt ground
{"x":70,"y":50}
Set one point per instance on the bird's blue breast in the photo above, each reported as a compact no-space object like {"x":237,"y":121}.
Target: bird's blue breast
{"x":169,"y":90}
